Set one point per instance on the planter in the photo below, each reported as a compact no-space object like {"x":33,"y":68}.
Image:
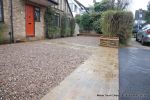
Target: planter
{"x":112,"y":42}
{"x":89,"y":34}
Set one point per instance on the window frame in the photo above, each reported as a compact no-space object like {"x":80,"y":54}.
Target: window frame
{"x":2,"y":11}
{"x":37,"y":20}
{"x":58,"y":22}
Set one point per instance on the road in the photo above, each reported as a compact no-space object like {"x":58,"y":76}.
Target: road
{"x":134,"y":72}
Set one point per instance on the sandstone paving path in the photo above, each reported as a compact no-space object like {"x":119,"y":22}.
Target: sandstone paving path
{"x":95,"y":79}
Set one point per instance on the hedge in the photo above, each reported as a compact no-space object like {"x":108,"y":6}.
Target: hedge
{"x":117,"y":23}
{"x":66,"y":27}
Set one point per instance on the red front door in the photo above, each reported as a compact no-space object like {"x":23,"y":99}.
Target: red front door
{"x":30,"y":20}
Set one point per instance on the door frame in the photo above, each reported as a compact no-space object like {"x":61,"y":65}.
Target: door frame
{"x":26,"y":20}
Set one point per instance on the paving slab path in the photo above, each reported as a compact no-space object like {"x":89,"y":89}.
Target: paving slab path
{"x":134,"y":72}
{"x":95,"y":79}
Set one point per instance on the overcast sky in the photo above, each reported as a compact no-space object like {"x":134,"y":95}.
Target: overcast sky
{"x":135,"y":4}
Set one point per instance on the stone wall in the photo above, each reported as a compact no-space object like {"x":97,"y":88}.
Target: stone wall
{"x":6,"y":18}
{"x":19,"y":20}
{"x":109,"y":42}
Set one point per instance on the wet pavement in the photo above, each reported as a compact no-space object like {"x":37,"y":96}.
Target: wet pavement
{"x":134,"y":72}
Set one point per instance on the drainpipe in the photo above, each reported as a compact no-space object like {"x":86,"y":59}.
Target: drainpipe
{"x":11,"y":21}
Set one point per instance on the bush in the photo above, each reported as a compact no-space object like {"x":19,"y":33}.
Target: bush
{"x":78,"y":19}
{"x":53,"y":32}
{"x":67,"y":26}
{"x":107,"y":23}
{"x":117,"y":23}
{"x":2,"y":30}
{"x":86,"y":22}
{"x":97,"y":26}
{"x":72,"y":26}
{"x":63,"y":25}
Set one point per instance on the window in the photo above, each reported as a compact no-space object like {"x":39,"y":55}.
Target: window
{"x":37,"y":14}
{"x":56,"y":20}
{"x":1,"y":11}
{"x":75,"y":8}
{"x":71,"y":6}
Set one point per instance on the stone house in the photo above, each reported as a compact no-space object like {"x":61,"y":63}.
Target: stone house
{"x":25,"y":18}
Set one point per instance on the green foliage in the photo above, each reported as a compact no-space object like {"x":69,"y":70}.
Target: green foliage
{"x":3,"y":28}
{"x":91,"y":21}
{"x":67,"y":26}
{"x":117,"y":23}
{"x":53,"y":32}
{"x":95,"y":17}
{"x":63,"y":25}
{"x":107,"y":24}
{"x":86,"y":22}
{"x":78,"y":19}
{"x":97,"y":26}
{"x":147,"y":15}
{"x":103,"y":6}
{"x":72,"y":26}
{"x":148,"y":6}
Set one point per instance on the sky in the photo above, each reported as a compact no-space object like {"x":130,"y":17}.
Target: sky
{"x":135,"y":4}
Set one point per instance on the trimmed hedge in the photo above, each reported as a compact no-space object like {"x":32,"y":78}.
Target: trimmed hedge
{"x":117,"y":24}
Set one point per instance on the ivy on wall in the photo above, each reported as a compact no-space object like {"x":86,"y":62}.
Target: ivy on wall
{"x":3,"y":28}
{"x":58,"y":25}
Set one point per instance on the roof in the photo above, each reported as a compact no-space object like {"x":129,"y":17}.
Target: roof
{"x":81,"y":5}
{"x":69,"y":7}
{"x":54,"y":2}
{"x":44,"y":2}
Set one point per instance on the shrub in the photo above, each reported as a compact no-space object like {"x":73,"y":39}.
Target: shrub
{"x":78,"y":19}
{"x":86,"y":22}
{"x":53,"y":32}
{"x":107,"y":23}
{"x":2,"y":30}
{"x":72,"y":26}
{"x":67,"y":26}
{"x":63,"y":25}
{"x":95,"y":17}
{"x":97,"y":26}
{"x":117,"y":23}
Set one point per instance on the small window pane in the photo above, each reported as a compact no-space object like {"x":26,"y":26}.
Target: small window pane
{"x":56,"y":20}
{"x":37,"y":14}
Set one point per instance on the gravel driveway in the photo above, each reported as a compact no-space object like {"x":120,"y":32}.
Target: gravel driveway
{"x":29,"y":70}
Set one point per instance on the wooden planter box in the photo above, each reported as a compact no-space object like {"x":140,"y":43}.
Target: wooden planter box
{"x":112,"y":42}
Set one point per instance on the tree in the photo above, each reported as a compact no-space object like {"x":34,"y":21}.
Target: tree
{"x":147,"y":15}
{"x":102,"y":6}
{"x":111,"y":5}
{"x":77,"y":19}
{"x":86,"y":22}
{"x":122,"y":4}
